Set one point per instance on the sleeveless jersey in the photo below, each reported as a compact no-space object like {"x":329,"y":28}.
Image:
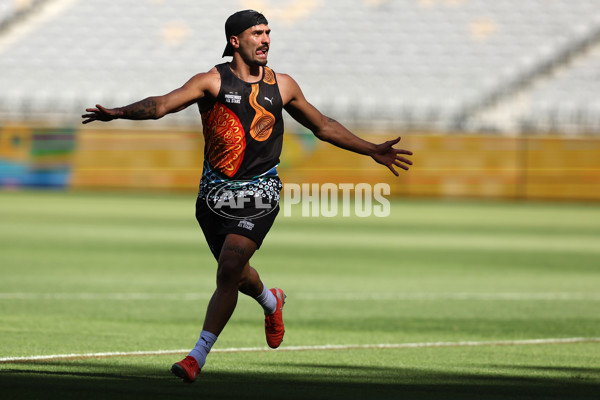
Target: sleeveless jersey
{"x":243,"y":133}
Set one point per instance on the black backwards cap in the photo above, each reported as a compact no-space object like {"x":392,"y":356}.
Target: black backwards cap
{"x":238,"y":23}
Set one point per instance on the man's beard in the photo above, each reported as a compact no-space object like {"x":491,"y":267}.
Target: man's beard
{"x":260,"y":63}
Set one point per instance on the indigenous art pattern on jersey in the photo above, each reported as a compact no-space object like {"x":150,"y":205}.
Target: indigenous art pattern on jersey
{"x":263,"y":122}
{"x":224,"y":139}
{"x":243,"y":128}
{"x":269,"y":76}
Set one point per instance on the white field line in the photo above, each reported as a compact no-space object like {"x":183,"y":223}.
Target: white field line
{"x":310,"y":296}
{"x":326,"y":347}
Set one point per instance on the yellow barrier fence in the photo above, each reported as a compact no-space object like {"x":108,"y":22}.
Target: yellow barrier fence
{"x":450,"y":165}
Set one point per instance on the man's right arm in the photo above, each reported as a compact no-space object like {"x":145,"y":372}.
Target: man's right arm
{"x":156,"y":107}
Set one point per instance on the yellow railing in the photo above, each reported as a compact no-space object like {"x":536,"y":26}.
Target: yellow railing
{"x":449,"y":165}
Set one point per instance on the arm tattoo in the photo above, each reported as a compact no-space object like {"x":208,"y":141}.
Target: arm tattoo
{"x":236,"y":249}
{"x":144,"y":109}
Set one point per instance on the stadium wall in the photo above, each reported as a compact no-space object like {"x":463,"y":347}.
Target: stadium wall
{"x":36,"y":156}
{"x":449,"y":165}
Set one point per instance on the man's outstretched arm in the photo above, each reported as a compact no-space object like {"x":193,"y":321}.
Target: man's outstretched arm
{"x":155,"y":107}
{"x":331,"y":131}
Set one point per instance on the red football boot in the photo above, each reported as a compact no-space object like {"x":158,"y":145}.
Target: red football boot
{"x":274,"y":329}
{"x":187,"y":369}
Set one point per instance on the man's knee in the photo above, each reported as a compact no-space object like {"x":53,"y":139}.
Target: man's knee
{"x":234,"y":256}
{"x":229,"y":271}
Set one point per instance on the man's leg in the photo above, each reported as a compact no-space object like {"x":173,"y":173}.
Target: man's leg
{"x":233,"y":259}
{"x":272,"y":302}
{"x":250,"y":284}
{"x":235,"y":253}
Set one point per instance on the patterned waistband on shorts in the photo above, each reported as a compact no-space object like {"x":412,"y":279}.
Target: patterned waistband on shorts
{"x":213,"y":186}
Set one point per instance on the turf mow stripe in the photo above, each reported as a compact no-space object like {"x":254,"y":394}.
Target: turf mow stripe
{"x":309,"y":296}
{"x":326,"y":347}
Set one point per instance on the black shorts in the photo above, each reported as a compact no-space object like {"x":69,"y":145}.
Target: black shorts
{"x":242,"y":222}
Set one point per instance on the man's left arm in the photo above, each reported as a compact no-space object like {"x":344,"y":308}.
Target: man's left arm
{"x":329,"y":130}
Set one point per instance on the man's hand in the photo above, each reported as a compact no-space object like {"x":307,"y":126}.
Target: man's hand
{"x":387,"y":155}
{"x":100,"y":114}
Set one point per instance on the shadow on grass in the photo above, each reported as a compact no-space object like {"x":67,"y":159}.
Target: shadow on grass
{"x":61,"y":380}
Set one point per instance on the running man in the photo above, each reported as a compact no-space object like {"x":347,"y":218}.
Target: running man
{"x":241,"y":104}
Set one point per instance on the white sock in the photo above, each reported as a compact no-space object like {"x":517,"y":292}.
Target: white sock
{"x":267,"y":300}
{"x":203,"y":347}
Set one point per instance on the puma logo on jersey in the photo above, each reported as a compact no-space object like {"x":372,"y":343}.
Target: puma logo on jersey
{"x":270,"y":100}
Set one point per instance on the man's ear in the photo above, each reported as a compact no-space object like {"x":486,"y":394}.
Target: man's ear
{"x":235,"y":42}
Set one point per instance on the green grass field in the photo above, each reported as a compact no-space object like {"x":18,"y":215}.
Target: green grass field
{"x":457,"y":289}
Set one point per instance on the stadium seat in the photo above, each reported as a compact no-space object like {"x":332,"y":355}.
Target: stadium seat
{"x":442,"y":61}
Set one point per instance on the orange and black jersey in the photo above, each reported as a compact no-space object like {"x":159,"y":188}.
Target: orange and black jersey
{"x":243,"y":131}
{"x":243,"y":135}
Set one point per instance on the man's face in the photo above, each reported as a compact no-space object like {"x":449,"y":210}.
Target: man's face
{"x":254,"y":44}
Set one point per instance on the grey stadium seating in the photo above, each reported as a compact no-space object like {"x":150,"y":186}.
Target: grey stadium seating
{"x":432,"y":64}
